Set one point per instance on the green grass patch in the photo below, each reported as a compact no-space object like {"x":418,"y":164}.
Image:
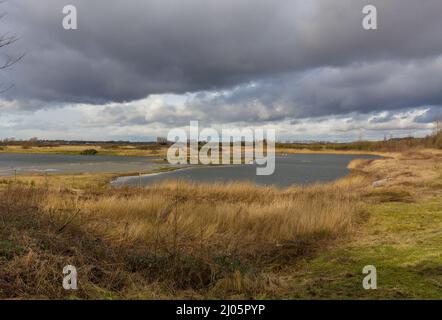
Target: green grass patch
{"x":403,"y":241}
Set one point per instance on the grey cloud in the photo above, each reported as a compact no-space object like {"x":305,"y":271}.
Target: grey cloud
{"x":126,"y":50}
{"x":433,"y":114}
{"x":390,"y":85}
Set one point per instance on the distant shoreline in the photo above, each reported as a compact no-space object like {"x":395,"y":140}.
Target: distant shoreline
{"x":280,"y":151}
{"x":139,"y":153}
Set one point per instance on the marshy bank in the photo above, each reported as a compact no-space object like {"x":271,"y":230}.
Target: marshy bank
{"x":169,"y":240}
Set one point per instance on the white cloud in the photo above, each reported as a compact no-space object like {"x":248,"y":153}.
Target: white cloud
{"x":147,"y":118}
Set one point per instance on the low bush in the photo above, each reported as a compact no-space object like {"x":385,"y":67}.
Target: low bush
{"x":89,"y":152}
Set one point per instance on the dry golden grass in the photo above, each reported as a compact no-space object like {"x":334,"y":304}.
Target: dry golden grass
{"x":237,"y":216}
{"x":175,"y":235}
{"x":75,"y":181}
{"x":77,"y":149}
{"x":412,"y":169}
{"x":184,"y":240}
{"x":161,"y":151}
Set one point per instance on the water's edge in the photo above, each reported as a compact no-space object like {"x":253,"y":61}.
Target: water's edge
{"x":134,"y":179}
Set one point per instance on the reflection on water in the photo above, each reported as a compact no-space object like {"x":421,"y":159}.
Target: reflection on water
{"x":290,"y":169}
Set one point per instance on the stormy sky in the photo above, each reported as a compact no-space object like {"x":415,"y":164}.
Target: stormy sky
{"x":136,"y":68}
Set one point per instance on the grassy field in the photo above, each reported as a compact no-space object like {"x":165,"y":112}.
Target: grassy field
{"x":158,"y":151}
{"x":402,"y":240}
{"x":181,"y":240}
{"x":120,"y":150}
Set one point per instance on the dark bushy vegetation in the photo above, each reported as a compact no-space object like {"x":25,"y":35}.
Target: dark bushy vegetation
{"x":89,"y":152}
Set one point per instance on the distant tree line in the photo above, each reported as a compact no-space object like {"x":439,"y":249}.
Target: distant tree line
{"x":393,"y":144}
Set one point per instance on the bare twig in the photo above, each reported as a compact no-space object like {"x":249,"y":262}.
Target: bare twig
{"x":70,"y":219}
{"x":10,"y":61}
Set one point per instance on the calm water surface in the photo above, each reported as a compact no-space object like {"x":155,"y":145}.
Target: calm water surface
{"x":59,"y":163}
{"x":290,"y":169}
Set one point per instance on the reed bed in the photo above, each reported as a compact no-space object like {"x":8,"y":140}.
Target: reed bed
{"x":171,"y":239}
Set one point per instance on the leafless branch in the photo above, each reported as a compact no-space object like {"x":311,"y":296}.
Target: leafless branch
{"x":10,"y":61}
{"x":7,"y":39}
{"x":5,"y":89}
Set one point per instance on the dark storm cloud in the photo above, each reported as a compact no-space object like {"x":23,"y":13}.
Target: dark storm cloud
{"x":386,"y":85}
{"x":305,"y":58}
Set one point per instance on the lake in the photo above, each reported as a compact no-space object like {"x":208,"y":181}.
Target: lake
{"x":290,"y":169}
{"x":60,"y":163}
